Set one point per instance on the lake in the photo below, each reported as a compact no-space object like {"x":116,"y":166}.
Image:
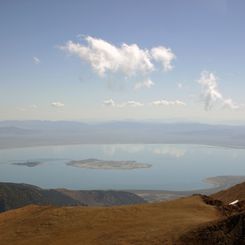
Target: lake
{"x":173,"y":167}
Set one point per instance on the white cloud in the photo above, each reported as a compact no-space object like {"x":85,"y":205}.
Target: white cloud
{"x":229,"y":104}
{"x":29,"y":108}
{"x":180,"y":85}
{"x":145,"y":84}
{"x":168,"y":103}
{"x":33,"y":107}
{"x":109,"y":102}
{"x":36,"y":60}
{"x":21,"y":109}
{"x":127,"y":60}
{"x":163,"y":55}
{"x":211,"y":95}
{"x":57,"y":104}
{"x":133,"y":103}
{"x":210,"y":92}
{"x":130,"y":103}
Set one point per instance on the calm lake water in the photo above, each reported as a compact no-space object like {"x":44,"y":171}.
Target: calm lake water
{"x":174,"y":167}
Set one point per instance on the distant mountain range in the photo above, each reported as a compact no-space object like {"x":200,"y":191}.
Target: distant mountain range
{"x":35,"y":133}
{"x":18,"y":195}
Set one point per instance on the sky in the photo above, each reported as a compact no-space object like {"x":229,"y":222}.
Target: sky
{"x":90,"y":60}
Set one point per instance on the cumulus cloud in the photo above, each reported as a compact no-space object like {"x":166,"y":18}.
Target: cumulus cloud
{"x":210,"y":95}
{"x":130,"y":103}
{"x":36,"y":61}
{"x":57,"y":104}
{"x":163,"y":55}
{"x":105,"y":57}
{"x":168,"y":103}
{"x":145,"y":84}
{"x":126,"y":59}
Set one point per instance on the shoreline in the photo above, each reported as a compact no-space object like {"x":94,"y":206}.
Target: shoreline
{"x":219,"y":183}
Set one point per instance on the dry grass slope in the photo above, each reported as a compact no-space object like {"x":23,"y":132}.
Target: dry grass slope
{"x":158,"y":223}
{"x":236,"y":192}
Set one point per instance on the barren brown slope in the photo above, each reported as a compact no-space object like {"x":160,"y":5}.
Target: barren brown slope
{"x":236,"y":192}
{"x":103,"y":198}
{"x":227,"y":231}
{"x":159,"y":223}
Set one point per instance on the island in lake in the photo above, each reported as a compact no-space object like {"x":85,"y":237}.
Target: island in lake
{"x":27,"y":164}
{"x":102,"y":164}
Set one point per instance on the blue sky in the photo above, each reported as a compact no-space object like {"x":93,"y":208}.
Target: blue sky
{"x":42,"y":77}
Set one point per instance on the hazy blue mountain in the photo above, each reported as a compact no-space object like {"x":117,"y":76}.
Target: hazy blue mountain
{"x":28,"y":133}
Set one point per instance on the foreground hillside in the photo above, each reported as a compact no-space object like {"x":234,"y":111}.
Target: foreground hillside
{"x":159,"y":223}
{"x":236,"y":192}
{"x":195,"y":220}
{"x":226,"y":231}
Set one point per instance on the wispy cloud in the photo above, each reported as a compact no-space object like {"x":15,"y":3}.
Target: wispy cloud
{"x":147,"y":83}
{"x":29,"y":108}
{"x":168,"y":103}
{"x":228,"y":103}
{"x":210,"y":95}
{"x":110,"y":102}
{"x":33,"y":107}
{"x":133,"y":103}
{"x":57,"y":104}
{"x":130,"y":103}
{"x":36,"y":61}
